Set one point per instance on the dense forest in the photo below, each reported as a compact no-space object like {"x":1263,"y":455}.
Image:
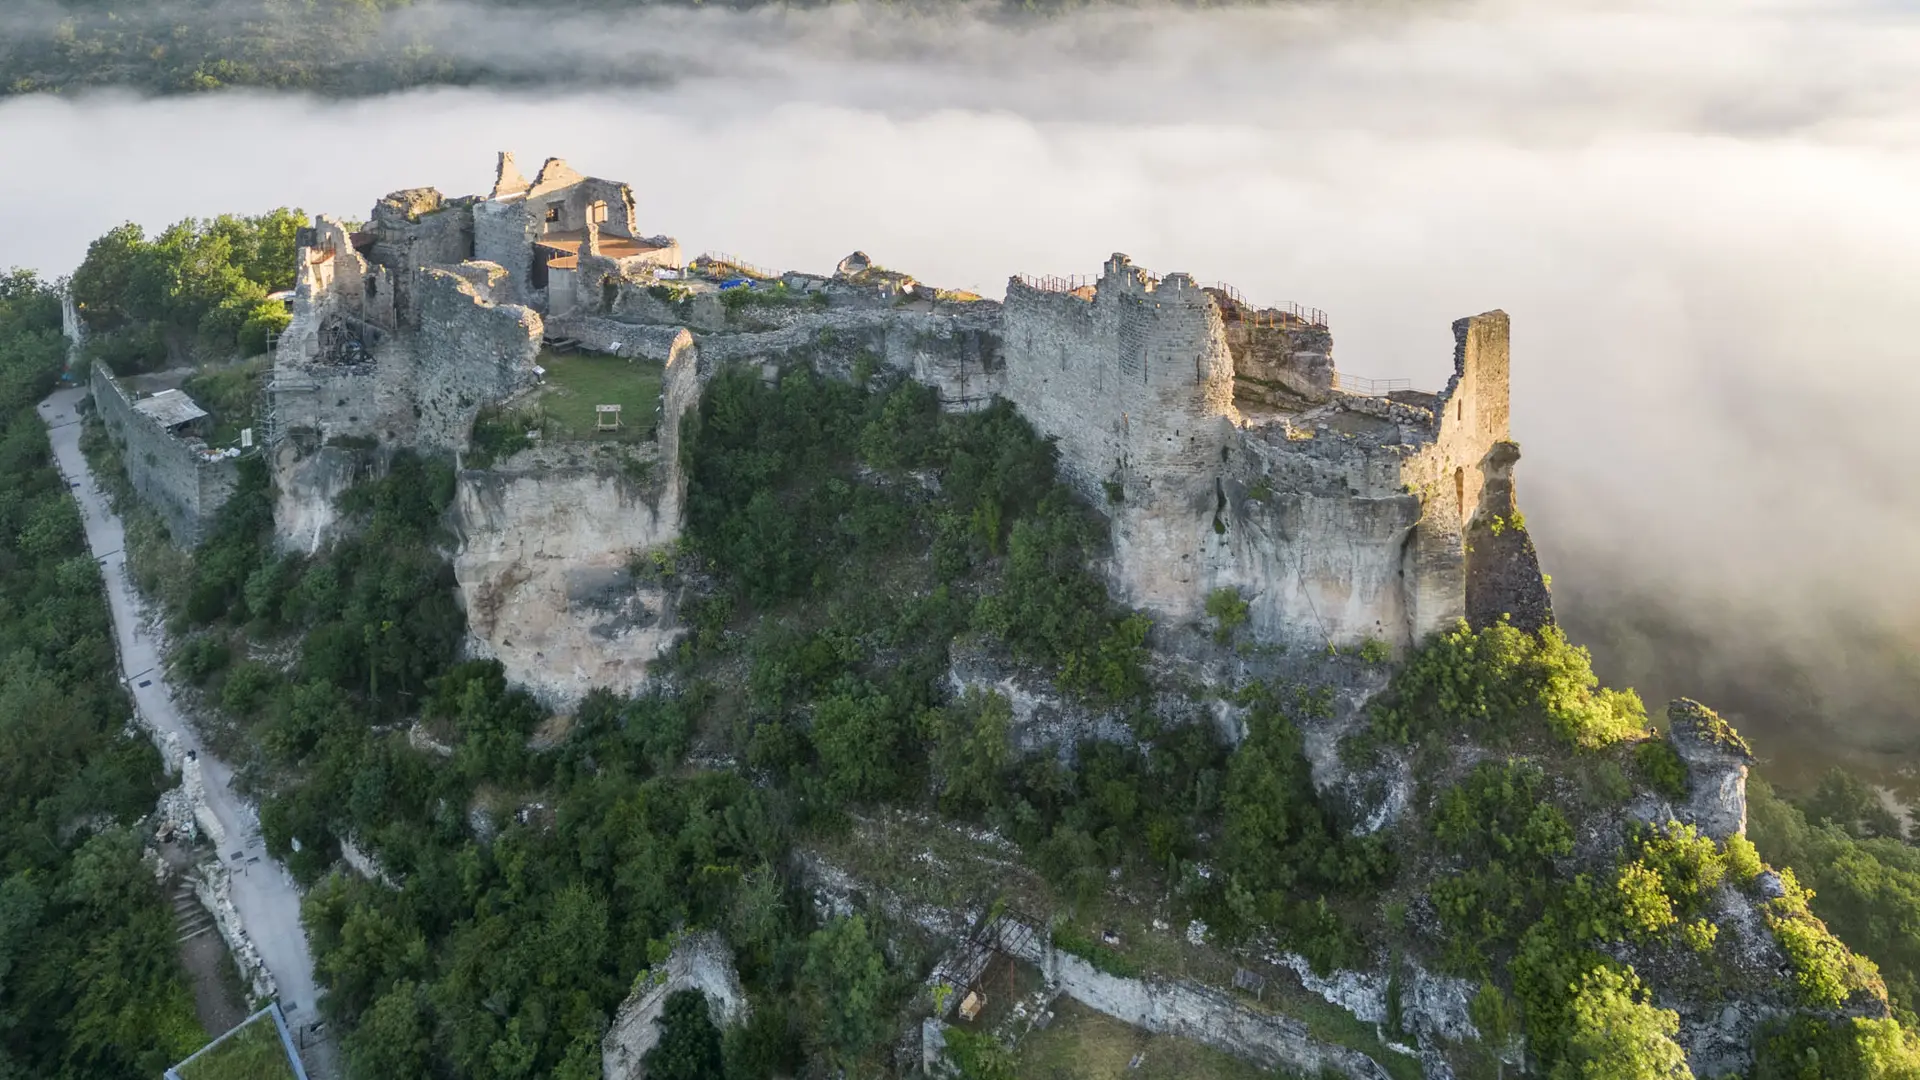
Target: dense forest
{"x":844,"y":539}
{"x":334,"y":47}
{"x":90,"y":982}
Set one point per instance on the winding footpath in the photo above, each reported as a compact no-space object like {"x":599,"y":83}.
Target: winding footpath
{"x":263,"y":892}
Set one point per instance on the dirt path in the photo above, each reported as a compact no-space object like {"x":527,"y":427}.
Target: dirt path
{"x":264,"y":893}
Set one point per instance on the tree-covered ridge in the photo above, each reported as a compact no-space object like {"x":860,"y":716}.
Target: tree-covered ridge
{"x":845,"y":540}
{"x":90,"y":982}
{"x":332,"y":47}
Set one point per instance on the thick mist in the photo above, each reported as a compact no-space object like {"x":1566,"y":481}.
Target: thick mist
{"x":1704,"y":218}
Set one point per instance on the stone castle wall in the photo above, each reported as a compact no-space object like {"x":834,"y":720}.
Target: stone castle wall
{"x":170,"y":474}
{"x":503,"y":233}
{"x":468,"y":351}
{"x":1213,"y":435}
{"x":1225,"y":457}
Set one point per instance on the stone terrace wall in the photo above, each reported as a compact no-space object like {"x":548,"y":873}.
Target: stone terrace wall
{"x":168,"y":474}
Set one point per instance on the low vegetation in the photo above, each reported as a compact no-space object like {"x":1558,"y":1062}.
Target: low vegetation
{"x":577,"y":383}
{"x":253,"y":1051}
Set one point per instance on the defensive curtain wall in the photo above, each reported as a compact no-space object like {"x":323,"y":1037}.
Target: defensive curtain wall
{"x":173,"y":471}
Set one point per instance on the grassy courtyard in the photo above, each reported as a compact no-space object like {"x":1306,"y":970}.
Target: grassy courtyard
{"x":578,"y":382}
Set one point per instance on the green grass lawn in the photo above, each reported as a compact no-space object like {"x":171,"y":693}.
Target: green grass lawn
{"x":577,"y":382}
{"x":251,"y":1052}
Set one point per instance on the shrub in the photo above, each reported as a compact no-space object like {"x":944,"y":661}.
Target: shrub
{"x":248,"y":687}
{"x":200,"y":658}
{"x":1824,"y":972}
{"x":1743,"y":860}
{"x":1808,"y":1048}
{"x":1660,"y":765}
{"x":1228,"y":611}
{"x":1499,"y":682}
{"x":977,"y":1056}
{"x":689,"y":1046}
{"x":1689,"y":865}
{"x":1645,"y":909}
{"x":1616,"y":1034}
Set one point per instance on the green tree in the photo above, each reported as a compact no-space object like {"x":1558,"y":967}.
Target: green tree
{"x":845,"y":984}
{"x":689,"y":1046}
{"x":1497,"y":1019}
{"x":1617,"y":1035}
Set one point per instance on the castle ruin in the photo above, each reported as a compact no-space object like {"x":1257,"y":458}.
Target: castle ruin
{"x":1228,"y":453}
{"x":1217,"y":436}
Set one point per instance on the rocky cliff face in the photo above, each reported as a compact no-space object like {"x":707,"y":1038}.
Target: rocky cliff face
{"x":547,"y":543}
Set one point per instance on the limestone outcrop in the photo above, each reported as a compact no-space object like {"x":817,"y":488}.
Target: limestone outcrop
{"x":1718,"y":760}
{"x":547,"y":543}
{"x":699,"y":961}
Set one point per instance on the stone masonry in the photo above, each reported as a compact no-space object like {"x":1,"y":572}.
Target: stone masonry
{"x":1218,"y":440}
{"x":179,"y":476}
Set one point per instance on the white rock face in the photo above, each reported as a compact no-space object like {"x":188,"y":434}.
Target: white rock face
{"x":698,"y":962}
{"x":546,"y":539}
{"x":304,"y":514}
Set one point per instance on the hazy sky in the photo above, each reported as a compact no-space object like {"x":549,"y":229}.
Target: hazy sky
{"x":1703,"y":216}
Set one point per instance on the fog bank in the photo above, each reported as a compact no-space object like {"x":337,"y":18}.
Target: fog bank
{"x":1702,"y":217}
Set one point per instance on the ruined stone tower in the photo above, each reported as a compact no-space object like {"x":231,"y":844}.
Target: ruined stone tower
{"x":1228,"y":453}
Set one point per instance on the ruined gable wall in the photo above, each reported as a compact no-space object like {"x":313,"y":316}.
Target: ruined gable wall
{"x":332,"y":279}
{"x":467,"y":353}
{"x":414,"y":229}
{"x":310,"y":393}
{"x":168,"y":473}
{"x":1471,"y":417}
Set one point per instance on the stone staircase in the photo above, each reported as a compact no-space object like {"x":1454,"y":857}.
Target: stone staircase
{"x":191,"y":917}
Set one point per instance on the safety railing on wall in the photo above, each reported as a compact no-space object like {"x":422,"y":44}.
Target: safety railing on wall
{"x":1053,"y":283}
{"x":719,"y":259}
{"x":1355,"y":384}
{"x":1277,"y":316}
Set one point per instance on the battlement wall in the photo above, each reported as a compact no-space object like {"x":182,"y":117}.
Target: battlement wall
{"x":172,"y":475}
{"x":1133,"y":377}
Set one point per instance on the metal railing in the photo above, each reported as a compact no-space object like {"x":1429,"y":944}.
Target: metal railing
{"x":1355,"y":384}
{"x":1054,"y":283}
{"x":734,"y":262}
{"x":1277,"y":316}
